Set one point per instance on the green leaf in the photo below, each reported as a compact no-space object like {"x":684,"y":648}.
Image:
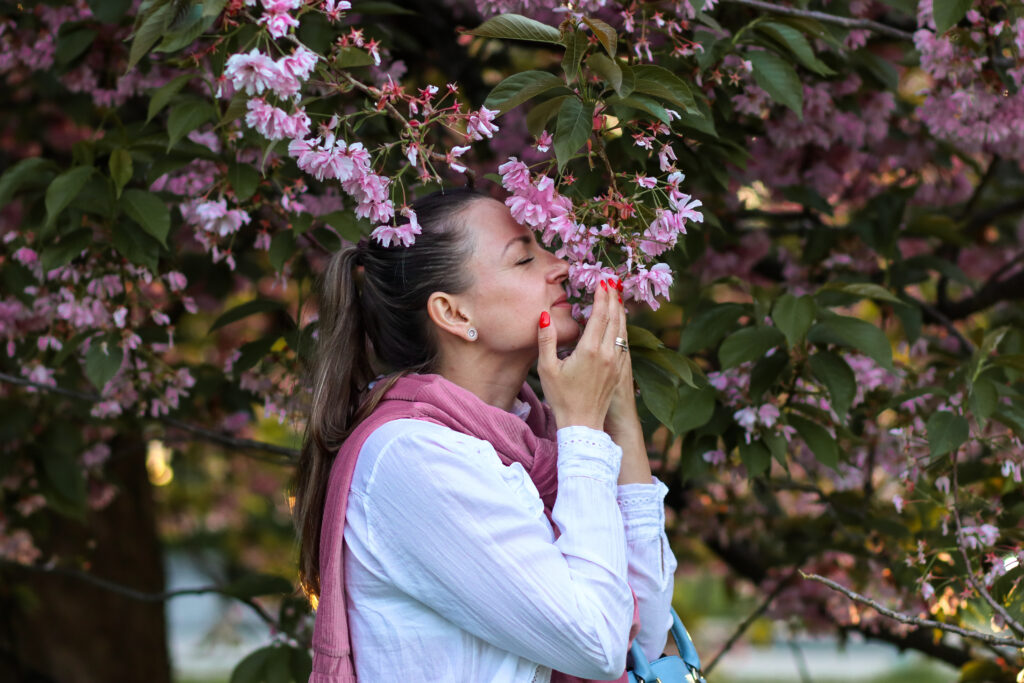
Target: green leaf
{"x":102,"y":361}
{"x":1014,"y":361}
{"x":948,"y":13}
{"x":35,"y":170}
{"x":643,"y":103}
{"x":348,"y":225}
{"x":853,"y":333}
{"x":817,"y":439}
{"x":694,"y":408}
{"x":837,"y":376}
{"x":301,"y":664}
{"x":984,"y":397}
{"x":521,"y":87}
{"x":160,"y":97}
{"x":756,"y":458}
{"x":120,"y":168}
{"x":540,"y":114}
{"x":282,"y":247}
{"x":750,"y":343}
{"x":110,"y":11}
{"x":766,"y":371}
{"x":69,"y":246}
{"x":946,"y":432}
{"x":149,"y":211}
{"x":352,"y":57}
{"x":72,"y":42}
{"x":660,"y":82}
{"x":778,"y":446}
{"x":152,"y":29}
{"x":254,"y":585}
{"x":135,"y":245}
{"x":245,"y":310}
{"x":628,"y":79}
{"x":244,"y":180}
{"x":63,"y":189}
{"x":776,"y":77}
{"x":252,"y":668}
{"x":576,"y":45}
{"x":607,"y":69}
{"x":185,"y":118}
{"x":642,"y":338}
{"x":657,"y":390}
{"x":708,"y":327}
{"x":606,"y":35}
{"x":64,"y":474}
{"x":183,"y":32}
{"x":253,"y":352}
{"x":865,"y":290}
{"x":795,"y":42}
{"x":794,"y":315}
{"x":575,"y":121}
{"x":517,"y":27}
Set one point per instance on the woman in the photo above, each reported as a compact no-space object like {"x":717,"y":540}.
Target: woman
{"x":465,"y":531}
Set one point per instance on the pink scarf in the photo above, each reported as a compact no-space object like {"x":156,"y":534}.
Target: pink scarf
{"x":432,"y":398}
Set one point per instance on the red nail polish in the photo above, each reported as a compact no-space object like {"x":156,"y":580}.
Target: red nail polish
{"x":545,"y":319}
{"x":618,"y":286}
{"x":604,"y":285}
{"x":620,"y":299}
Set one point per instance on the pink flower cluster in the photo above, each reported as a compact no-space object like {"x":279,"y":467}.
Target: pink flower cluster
{"x":276,"y":124}
{"x":255,"y":72}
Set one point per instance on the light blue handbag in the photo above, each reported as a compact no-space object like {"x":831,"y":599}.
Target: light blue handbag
{"x":681,"y":668}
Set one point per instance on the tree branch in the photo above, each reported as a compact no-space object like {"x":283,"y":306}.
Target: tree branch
{"x":846,"y":22}
{"x":287,"y":455}
{"x":914,"y":621}
{"x":141,"y":596}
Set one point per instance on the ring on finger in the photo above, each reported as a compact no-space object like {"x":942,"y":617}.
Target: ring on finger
{"x":621,"y":343}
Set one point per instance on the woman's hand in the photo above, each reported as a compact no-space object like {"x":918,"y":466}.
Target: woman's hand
{"x":579,"y":388}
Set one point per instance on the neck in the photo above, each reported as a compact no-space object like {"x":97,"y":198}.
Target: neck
{"x":494,"y":380}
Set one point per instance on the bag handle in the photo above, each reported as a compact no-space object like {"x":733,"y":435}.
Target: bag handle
{"x":687,"y":652}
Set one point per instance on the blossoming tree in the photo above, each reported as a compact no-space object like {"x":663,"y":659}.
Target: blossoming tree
{"x":814,"y":210}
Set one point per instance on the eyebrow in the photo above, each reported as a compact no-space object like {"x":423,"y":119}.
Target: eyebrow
{"x":525,"y":239}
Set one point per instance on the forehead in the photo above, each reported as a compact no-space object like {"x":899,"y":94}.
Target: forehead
{"x":492,"y":226}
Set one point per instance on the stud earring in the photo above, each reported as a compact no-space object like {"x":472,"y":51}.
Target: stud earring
{"x":471,"y":333}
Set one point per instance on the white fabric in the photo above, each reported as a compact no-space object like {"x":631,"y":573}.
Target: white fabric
{"x":453,"y":572}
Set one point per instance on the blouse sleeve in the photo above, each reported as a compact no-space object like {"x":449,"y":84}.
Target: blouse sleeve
{"x":449,"y":531}
{"x":652,"y":565}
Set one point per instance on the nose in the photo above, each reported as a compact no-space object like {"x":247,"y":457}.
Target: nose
{"x":559,"y":270}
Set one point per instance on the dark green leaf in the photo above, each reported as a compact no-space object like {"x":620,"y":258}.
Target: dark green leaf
{"x":517,"y":27}
{"x":808,"y":197}
{"x":120,"y":168}
{"x":151,"y":30}
{"x":693,"y":409}
{"x":102,"y":361}
{"x":244,"y":180}
{"x":778,"y":446}
{"x":795,"y":42}
{"x":63,"y":189}
{"x":660,"y":82}
{"x":301,"y":664}
{"x":709,"y":327}
{"x":279,"y":666}
{"x":68,"y":247}
{"x":756,"y":458}
{"x":576,"y":45}
{"x":149,"y":211}
{"x":540,"y":114}
{"x":72,"y":42}
{"x":766,"y":372}
{"x":644,"y":104}
{"x":853,"y":333}
{"x":66,"y":478}
{"x":946,"y":432}
{"x":245,"y":310}
{"x":794,"y":315}
{"x":352,"y":57}
{"x":776,"y":77}
{"x":750,"y":343}
{"x":817,"y":439}
{"x":255,"y":585}
{"x":185,"y":118}
{"x":948,"y":13}
{"x":253,"y":352}
{"x":607,"y":69}
{"x":628,"y":80}
{"x":984,"y":397}
{"x":160,"y":97}
{"x":252,"y":669}
{"x":348,"y":225}
{"x":864,"y":290}
{"x":641,"y":338}
{"x":31,"y":171}
{"x":110,"y":11}
{"x":657,"y":390}
{"x":1014,"y":361}
{"x":282,"y":247}
{"x":519,"y":88}
{"x":575,"y":121}
{"x":135,"y":245}
{"x":606,"y":35}
{"x":185,"y":32}
{"x":835,"y":373}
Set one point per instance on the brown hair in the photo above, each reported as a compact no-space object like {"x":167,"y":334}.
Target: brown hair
{"x":378,"y":324}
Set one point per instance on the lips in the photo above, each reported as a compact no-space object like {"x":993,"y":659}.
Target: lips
{"x":562,"y":301}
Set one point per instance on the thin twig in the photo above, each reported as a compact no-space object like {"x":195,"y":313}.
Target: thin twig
{"x":287,"y":454}
{"x":141,"y":596}
{"x":993,"y":603}
{"x":914,"y":621}
{"x":751,"y":618}
{"x":846,"y":22}
{"x":801,"y":662}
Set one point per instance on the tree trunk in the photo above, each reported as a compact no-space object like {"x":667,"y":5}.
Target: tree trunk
{"x":80,"y":633}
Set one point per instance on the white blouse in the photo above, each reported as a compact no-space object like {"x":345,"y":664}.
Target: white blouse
{"x":453,"y":572}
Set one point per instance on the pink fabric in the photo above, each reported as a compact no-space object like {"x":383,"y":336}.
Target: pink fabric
{"x":432,"y":398}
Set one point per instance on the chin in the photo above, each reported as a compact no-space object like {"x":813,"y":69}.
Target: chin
{"x":568,"y":330}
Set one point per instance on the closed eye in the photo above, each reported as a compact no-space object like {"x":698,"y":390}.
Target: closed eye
{"x":524,"y":261}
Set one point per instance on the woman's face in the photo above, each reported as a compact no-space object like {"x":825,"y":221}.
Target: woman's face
{"x":514,"y":280}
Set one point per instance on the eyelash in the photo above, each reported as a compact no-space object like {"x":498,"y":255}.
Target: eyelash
{"x":524,"y":261}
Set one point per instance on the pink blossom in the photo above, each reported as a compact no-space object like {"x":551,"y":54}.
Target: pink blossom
{"x":254,"y":72}
{"x":404,"y":234}
{"x":120,"y":315}
{"x":453,"y":155}
{"x":645,"y":285}
{"x":480,"y":124}
{"x":544,"y":141}
{"x":716,"y":457}
{"x":515,"y":176}
{"x":583,"y":277}
{"x":275,"y":124}
{"x":96,"y":455}
{"x":645,"y":181}
{"x":25,"y":256}
{"x":214,"y":217}
{"x":897,"y":502}
{"x":278,"y":23}
{"x":176,"y":281}
{"x":299,"y":64}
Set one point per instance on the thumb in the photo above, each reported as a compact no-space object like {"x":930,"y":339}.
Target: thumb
{"x":546,"y":343}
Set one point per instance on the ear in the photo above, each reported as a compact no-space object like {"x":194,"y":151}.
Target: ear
{"x":450,"y":314}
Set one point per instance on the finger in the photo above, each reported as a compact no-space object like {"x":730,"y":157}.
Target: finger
{"x":547,"y":344}
{"x":615,"y":327}
{"x":599,"y":318}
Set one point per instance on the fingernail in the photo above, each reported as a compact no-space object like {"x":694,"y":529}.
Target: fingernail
{"x":619,"y":286}
{"x":545,"y":319}
{"x":620,"y":299}
{"x":604,"y":285}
